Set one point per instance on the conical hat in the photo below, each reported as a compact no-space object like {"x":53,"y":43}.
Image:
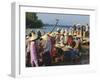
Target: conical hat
{"x":62,"y":31}
{"x":65,"y":30}
{"x":52,"y":34}
{"x":45,"y":37}
{"x":69,"y":33}
{"x":34,"y":36}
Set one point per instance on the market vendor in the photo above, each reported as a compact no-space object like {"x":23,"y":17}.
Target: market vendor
{"x":47,"y":50}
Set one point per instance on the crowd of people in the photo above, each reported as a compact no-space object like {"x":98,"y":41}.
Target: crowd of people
{"x":52,"y":47}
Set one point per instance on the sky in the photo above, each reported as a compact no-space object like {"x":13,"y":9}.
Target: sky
{"x":64,"y":19}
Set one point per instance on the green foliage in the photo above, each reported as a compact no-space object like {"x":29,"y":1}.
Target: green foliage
{"x":32,"y":20}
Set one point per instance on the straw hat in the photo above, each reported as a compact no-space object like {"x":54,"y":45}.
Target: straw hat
{"x":66,"y":30}
{"x":69,"y":34}
{"x":52,"y":34}
{"x":34,"y":36}
{"x":62,"y":31}
{"x":45,"y":37}
{"x":56,"y":33}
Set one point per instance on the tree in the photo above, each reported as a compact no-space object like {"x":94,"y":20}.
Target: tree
{"x":32,"y":20}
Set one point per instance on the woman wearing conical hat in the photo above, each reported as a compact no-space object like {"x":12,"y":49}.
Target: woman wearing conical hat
{"x":53,"y":41}
{"x":47,"y":50}
{"x":33,"y":53}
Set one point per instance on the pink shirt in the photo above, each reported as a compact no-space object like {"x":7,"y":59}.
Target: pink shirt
{"x":33,"y":51}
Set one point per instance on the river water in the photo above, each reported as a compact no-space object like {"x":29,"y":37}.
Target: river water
{"x":45,"y":29}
